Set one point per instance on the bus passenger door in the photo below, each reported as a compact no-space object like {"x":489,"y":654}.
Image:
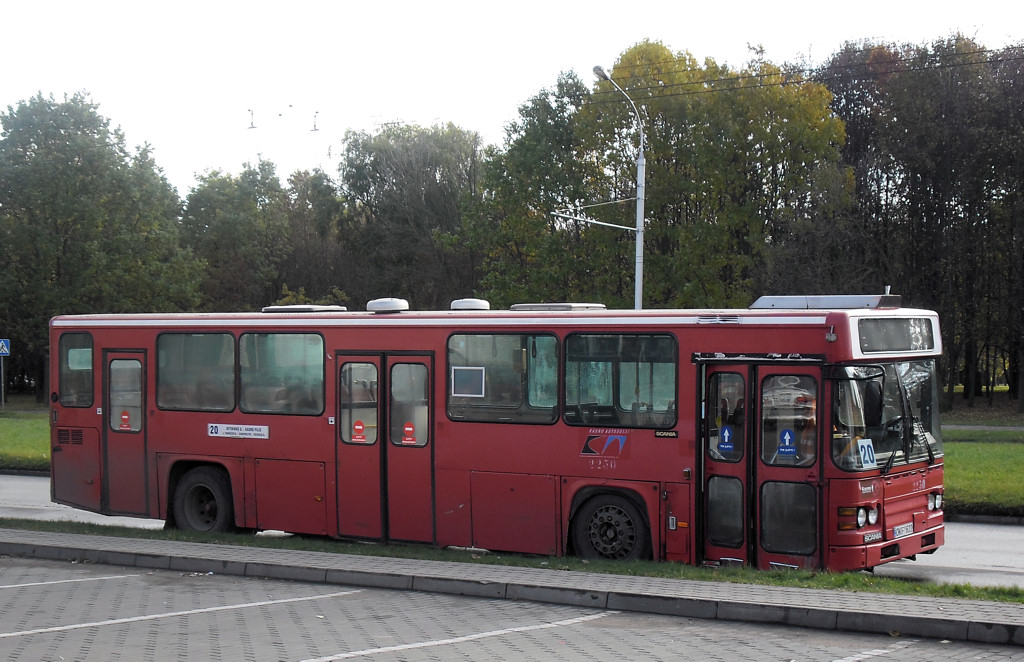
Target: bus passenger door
{"x":125,"y":478}
{"x":409,"y":457}
{"x":760,"y":441}
{"x":385,"y":454}
{"x":360,"y":458}
{"x":785,"y":489}
{"x":726,"y":456}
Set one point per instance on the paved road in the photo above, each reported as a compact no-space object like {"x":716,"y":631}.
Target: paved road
{"x":979,"y":554}
{"x":51,"y":610}
{"x":28,"y":497}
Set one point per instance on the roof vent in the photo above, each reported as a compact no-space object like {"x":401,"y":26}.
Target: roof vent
{"x":718,"y":319}
{"x":558,"y":306}
{"x":471,"y":304}
{"x":303,"y":308}
{"x":387,"y":305}
{"x":836,"y":301}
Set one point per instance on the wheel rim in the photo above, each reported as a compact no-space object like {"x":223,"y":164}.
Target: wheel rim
{"x":201,"y":508}
{"x":612,"y":532}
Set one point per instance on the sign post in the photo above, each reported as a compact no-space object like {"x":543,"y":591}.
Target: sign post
{"x":5,"y":351}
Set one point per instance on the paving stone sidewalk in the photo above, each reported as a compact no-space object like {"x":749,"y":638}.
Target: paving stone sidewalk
{"x":966,"y":620}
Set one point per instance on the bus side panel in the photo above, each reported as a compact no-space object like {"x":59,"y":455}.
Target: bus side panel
{"x":677,"y":518}
{"x":75,"y":467}
{"x":291,"y":496}
{"x":410,"y":494}
{"x":454,"y":520}
{"x":516,"y":512}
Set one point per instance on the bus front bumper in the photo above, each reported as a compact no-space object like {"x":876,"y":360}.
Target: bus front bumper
{"x":872,"y":554}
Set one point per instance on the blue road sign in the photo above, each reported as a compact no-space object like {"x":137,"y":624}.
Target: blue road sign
{"x":787,"y":443}
{"x":5,"y":346}
{"x":725,"y":439}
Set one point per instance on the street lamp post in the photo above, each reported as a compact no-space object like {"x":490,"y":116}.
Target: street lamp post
{"x":641,"y":167}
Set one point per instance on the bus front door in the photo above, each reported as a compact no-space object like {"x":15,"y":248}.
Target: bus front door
{"x":385,"y":453}
{"x":124,"y":434}
{"x":726,"y":449}
{"x":760,"y":444}
{"x":785,"y":488}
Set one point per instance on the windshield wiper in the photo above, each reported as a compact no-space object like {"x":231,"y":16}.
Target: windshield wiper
{"x":920,"y":435}
{"x":888,"y":463}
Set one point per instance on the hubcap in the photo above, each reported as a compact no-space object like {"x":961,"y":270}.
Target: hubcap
{"x":203,"y":510}
{"x":612,"y":532}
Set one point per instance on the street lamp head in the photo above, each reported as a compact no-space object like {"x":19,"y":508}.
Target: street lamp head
{"x":600,"y":73}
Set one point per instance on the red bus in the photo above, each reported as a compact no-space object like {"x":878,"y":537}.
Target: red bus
{"x":801,"y":432}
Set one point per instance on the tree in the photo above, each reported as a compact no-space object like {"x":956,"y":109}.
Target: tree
{"x":1007,"y":204}
{"x":239,"y":226}
{"x":528,"y":253}
{"x":403,"y":189}
{"x":85,"y":226}
{"x":934,"y":139}
{"x":734,"y":161}
{"x":315,"y":264}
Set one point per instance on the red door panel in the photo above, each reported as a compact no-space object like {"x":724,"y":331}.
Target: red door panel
{"x":124,"y":425}
{"x":410,"y":485}
{"x":360,"y":493}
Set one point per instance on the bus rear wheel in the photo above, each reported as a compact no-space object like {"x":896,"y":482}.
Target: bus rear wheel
{"x":202,"y":501}
{"x":610,"y":527}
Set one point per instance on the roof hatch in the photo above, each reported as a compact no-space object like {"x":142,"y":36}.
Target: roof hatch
{"x":843,"y":301}
{"x":558,"y":306}
{"x":303,"y":308}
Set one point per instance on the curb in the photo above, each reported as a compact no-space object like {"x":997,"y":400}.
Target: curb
{"x":961,"y":620}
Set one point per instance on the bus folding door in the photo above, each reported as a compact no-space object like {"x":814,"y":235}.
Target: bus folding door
{"x":760,"y":493}
{"x":385,"y":449}
{"x":124,"y":434}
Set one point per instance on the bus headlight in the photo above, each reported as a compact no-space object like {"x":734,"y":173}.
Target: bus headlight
{"x":934,"y":501}
{"x":852,"y":518}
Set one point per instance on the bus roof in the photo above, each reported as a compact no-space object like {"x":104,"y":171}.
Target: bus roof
{"x":550,"y":314}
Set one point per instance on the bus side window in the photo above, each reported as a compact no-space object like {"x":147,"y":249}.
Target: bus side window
{"x":282,"y":373}
{"x":621,"y":380}
{"x":76,"y":375}
{"x":503,"y":378}
{"x":195,"y":371}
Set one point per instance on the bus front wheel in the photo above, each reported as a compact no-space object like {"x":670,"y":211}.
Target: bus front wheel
{"x":610,"y":527}
{"x":202,"y":501}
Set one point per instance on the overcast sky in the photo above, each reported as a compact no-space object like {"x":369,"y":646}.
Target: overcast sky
{"x":192,"y":78}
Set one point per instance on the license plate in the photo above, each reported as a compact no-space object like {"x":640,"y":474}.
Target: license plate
{"x":902,"y":530}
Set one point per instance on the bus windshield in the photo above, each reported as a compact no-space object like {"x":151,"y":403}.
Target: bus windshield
{"x":884,"y":415}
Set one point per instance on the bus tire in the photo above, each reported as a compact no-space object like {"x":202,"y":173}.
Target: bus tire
{"x":610,"y":527}
{"x":202,"y":501}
